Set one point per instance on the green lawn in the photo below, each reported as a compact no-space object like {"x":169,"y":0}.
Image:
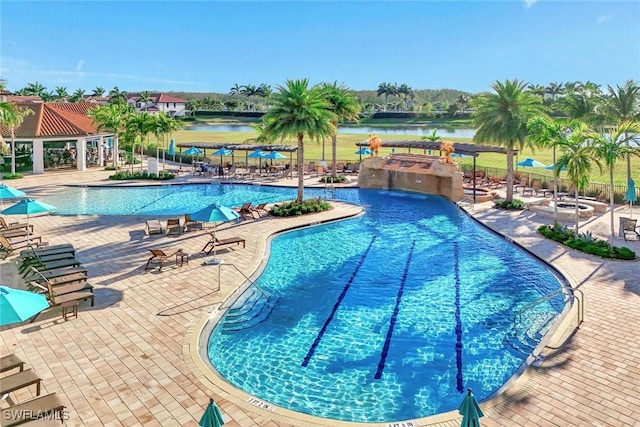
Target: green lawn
{"x":347,"y":147}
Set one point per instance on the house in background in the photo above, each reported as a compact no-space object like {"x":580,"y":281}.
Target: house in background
{"x":158,"y":103}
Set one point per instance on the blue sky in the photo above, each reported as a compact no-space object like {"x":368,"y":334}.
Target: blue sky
{"x":208,"y":46}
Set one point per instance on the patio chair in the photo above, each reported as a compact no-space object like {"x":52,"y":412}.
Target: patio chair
{"x":153,"y":226}
{"x":630,"y":229}
{"x":260,"y":209}
{"x":48,"y":250}
{"x":14,"y":225}
{"x":533,"y":189}
{"x":42,"y":407}
{"x":12,"y":243}
{"x":9,"y":362}
{"x":214,"y":242}
{"x":173,"y":227}
{"x":245,"y":211}
{"x":160,"y":257}
{"x":18,"y":381}
{"x":191,"y":224}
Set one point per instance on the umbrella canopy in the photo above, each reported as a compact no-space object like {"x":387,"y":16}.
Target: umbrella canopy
{"x":212,"y":416}
{"x":7,"y":192}
{"x":459,"y":155}
{"x":630,"y":195}
{"x":222,"y":152}
{"x":257,"y":154}
{"x":552,"y":167}
{"x":17,"y":306}
{"x":215,"y":213}
{"x":274,"y":155}
{"x":192,"y":151}
{"x":531,"y":163}
{"x":470,"y":411}
{"x":27,"y":207}
{"x":364,"y":150}
{"x":172,"y":148}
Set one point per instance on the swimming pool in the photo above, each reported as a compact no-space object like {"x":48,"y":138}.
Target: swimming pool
{"x":380,"y":318}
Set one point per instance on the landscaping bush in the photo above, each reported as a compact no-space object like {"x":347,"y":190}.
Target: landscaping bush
{"x":585,"y":242}
{"x":12,"y":176}
{"x":338,"y":179}
{"x":122,"y":175}
{"x":110,"y":168}
{"x":513,"y":205}
{"x":295,"y":208}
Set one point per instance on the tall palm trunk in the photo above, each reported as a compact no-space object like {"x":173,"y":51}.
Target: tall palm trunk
{"x":334,"y":153}
{"x":300,"y":168}
{"x":13,"y":151}
{"x":611,"y":202}
{"x":577,"y":211}
{"x":509,"y":175}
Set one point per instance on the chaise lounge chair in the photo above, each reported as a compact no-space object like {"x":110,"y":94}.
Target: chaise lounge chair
{"x":40,"y":407}
{"x":48,"y":250}
{"x":260,"y":210}
{"x":173,"y":227}
{"x":191,"y":224}
{"x":214,"y":242}
{"x":629,"y":229}
{"x":153,"y":226}
{"x":9,"y":362}
{"x":245,"y":211}
{"x":159,"y":257}
{"x":14,"y":225}
{"x":18,"y":381}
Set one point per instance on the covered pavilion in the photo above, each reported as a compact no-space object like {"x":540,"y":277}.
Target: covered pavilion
{"x":241,"y":146}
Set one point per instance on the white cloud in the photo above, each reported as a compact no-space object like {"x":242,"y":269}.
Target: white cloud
{"x":604,"y":18}
{"x":79,"y":65}
{"x":529,"y":3}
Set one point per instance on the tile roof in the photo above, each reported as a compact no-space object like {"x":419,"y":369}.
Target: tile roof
{"x":157,"y":97}
{"x":54,"y":119}
{"x":23,"y":98}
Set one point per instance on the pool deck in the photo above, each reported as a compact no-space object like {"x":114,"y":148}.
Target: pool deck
{"x":128,"y":361}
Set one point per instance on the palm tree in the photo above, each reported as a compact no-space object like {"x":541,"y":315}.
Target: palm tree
{"x":99,"y":91}
{"x":296,"y":111}
{"x":78,"y":96}
{"x":140,"y":125}
{"x":237,"y":91}
{"x":502,"y":118}
{"x":611,"y":145}
{"x":12,"y":117}
{"x":623,"y":104}
{"x":264,"y":90}
{"x":36,"y":89}
{"x":117,"y":97}
{"x":384,"y":90}
{"x":61,"y":92}
{"x":112,"y":118}
{"x":577,"y":156}
{"x":249,"y":91}
{"x":394,"y":90}
{"x":344,"y":104}
{"x":144,"y":97}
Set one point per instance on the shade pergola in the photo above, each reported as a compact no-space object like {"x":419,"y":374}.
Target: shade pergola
{"x":235,"y":146}
{"x":472,"y":150}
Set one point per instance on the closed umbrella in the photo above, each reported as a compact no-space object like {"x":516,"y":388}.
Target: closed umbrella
{"x":631,"y":195}
{"x":470,"y":411}
{"x":215,"y":213}
{"x":17,"y":305}
{"x":27,"y":207}
{"x":212,"y":416}
{"x":172,"y":149}
{"x":531,"y":163}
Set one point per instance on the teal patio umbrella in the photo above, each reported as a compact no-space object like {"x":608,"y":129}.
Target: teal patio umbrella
{"x":470,"y":411}
{"x":274,"y":155}
{"x":631,"y":196}
{"x":258,"y":154}
{"x":212,"y":416}
{"x":7,"y":192}
{"x":27,"y":207}
{"x":363,"y":150}
{"x":17,"y":305}
{"x":223,"y":152}
{"x":531,"y":163}
{"x":215,"y":213}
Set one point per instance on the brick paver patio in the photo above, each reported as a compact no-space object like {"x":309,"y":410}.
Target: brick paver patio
{"x":127,"y":361}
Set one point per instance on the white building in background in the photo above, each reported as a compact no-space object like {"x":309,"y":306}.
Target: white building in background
{"x":158,"y":103}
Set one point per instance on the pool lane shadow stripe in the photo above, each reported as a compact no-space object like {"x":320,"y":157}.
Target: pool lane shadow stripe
{"x":394,"y":316}
{"x":459,"y":378}
{"x":152,"y":202}
{"x":316,"y":342}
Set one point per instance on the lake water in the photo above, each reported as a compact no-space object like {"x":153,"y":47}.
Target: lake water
{"x":365,"y":130}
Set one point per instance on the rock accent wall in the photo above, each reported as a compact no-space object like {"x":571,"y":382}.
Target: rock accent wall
{"x":424,"y":174}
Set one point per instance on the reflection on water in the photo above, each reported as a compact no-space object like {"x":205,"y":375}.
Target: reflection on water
{"x":398,"y":130}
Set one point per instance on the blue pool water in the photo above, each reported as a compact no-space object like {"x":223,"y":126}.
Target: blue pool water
{"x":384,"y":317}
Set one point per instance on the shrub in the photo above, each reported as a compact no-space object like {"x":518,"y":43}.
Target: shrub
{"x":110,"y":168}
{"x":12,"y":176}
{"x":295,"y":208}
{"x":122,"y":175}
{"x":513,"y":205}
{"x":338,"y":179}
{"x":585,"y":242}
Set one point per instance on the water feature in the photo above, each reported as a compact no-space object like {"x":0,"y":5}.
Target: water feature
{"x":364,"y":130}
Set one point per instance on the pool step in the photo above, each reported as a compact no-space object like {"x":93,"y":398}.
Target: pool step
{"x":252,"y":308}
{"x":523,"y":339}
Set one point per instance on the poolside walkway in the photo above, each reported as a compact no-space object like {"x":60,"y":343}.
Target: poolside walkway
{"x":125,"y":362}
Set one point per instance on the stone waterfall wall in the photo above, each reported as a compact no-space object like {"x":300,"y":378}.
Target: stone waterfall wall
{"x":424,"y":174}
